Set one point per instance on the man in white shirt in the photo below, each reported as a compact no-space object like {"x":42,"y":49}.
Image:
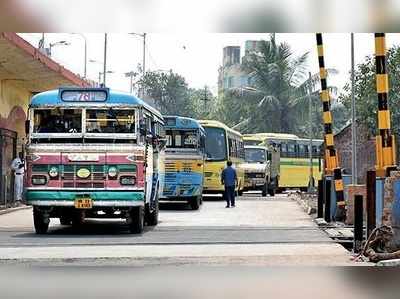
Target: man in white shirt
{"x":17,"y":165}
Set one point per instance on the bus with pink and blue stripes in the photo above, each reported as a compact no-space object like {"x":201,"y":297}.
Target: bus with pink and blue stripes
{"x":93,"y":153}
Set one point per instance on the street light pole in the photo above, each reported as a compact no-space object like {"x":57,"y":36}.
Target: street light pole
{"x":59,"y":43}
{"x":85,"y":65}
{"x":105,"y":60}
{"x":144,"y":54}
{"x":353,"y":118}
{"x":310,"y":151}
{"x":144,"y":50}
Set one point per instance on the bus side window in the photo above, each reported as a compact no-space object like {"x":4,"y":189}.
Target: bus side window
{"x":230,"y":147}
{"x":291,"y":150}
{"x":284,"y":150}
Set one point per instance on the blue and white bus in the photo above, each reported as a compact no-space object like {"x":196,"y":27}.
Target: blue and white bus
{"x":184,"y":160}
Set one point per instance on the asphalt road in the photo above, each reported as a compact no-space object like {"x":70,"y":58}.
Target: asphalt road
{"x":271,"y":230}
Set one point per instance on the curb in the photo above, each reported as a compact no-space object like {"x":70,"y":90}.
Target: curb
{"x":10,"y":210}
{"x":389,"y":263}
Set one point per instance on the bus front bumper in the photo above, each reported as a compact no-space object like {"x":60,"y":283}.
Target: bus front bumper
{"x":99,"y":198}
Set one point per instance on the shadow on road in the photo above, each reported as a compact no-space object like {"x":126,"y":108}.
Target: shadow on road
{"x":91,"y":228}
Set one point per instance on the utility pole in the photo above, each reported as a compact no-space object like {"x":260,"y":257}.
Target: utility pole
{"x":105,"y":60}
{"x":131,"y":75}
{"x":311,"y":179}
{"x":144,"y":54}
{"x":205,"y":99}
{"x":353,"y":118}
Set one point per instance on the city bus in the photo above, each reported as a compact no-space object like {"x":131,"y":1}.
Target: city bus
{"x":294,"y":159}
{"x":222,"y":144}
{"x":184,"y":161}
{"x":93,"y":153}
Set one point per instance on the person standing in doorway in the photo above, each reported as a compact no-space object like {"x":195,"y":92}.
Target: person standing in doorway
{"x":18,"y":167}
{"x":229,"y":180}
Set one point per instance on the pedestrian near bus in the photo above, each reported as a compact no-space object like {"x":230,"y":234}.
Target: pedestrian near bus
{"x":17,"y":165}
{"x":229,"y":180}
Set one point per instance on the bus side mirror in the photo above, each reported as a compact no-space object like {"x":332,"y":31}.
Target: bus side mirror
{"x":269,"y":156}
{"x":27,"y":127}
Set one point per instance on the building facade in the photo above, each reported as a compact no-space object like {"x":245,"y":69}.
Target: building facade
{"x":366,"y":152}
{"x":24,"y":71}
{"x":231,"y":74}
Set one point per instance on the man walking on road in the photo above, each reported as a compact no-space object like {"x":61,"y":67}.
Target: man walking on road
{"x":229,"y":180}
{"x":17,"y":166}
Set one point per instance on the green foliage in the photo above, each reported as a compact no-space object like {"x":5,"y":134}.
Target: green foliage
{"x":278,"y":98}
{"x":168,"y":90}
{"x":172,"y":96}
{"x":365,"y":91}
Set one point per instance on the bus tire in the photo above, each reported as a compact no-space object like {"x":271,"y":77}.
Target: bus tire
{"x":264,"y":190}
{"x":65,"y":220}
{"x":40,"y":222}
{"x":151,"y":217}
{"x":271,"y":191}
{"x":136,"y":224}
{"x":195,"y":203}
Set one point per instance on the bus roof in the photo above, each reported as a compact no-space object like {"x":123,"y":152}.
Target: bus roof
{"x":53,"y":98}
{"x":180,"y":122}
{"x":256,"y":147}
{"x":217,"y":124}
{"x":261,"y":137}
{"x":315,"y":141}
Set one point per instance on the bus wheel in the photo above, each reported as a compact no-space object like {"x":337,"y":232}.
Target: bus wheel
{"x":41,"y":222}
{"x":78,"y":218}
{"x":271,"y":191}
{"x":65,"y":220}
{"x":151,"y":217}
{"x":195,"y":203}
{"x":136,"y":224}
{"x":264,"y":190}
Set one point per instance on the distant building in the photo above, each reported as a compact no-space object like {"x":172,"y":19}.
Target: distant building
{"x":231,"y":74}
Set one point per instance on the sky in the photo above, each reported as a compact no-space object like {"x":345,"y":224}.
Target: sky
{"x":196,"y":56}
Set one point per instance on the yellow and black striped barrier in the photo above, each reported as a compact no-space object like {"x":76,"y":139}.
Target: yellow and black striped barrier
{"x":385,"y":142}
{"x":331,"y":156}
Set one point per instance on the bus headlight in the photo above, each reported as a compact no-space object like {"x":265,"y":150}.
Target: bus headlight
{"x":53,"y":172}
{"x":127,"y":180}
{"x":39,"y":180}
{"x":112,"y":172}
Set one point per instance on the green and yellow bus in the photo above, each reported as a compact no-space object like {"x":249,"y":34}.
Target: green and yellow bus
{"x":294,"y":157}
{"x":295,"y":160}
{"x":222,"y":144}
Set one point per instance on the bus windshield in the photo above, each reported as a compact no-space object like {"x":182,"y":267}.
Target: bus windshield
{"x":255,"y":155}
{"x":182,"y":138}
{"x":57,"y":121}
{"x":215,"y":144}
{"x":110,"y":121}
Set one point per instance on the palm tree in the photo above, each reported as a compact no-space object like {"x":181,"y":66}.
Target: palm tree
{"x":279,"y":78}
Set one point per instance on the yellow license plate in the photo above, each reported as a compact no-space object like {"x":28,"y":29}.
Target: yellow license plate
{"x":83,"y":203}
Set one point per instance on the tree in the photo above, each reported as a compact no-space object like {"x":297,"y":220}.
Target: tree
{"x":169,"y":91}
{"x":277,"y":77}
{"x":278,"y":99}
{"x":203,"y":103}
{"x":365,"y":91}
